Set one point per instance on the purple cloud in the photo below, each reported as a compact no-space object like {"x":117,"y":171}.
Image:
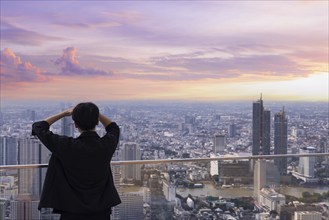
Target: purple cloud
{"x":13,"y":34}
{"x":69,"y":65}
{"x":216,"y":66}
{"x":13,"y":69}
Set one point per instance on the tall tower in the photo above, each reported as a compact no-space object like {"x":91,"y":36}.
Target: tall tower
{"x":67,"y":127}
{"x":8,"y":150}
{"x":324,"y":148}
{"x":31,"y":151}
{"x":116,"y":178}
{"x":131,"y":151}
{"x":2,"y":151}
{"x":30,"y":180}
{"x":306,"y":164}
{"x":116,"y":172}
{"x":131,"y":207}
{"x":3,"y":206}
{"x":281,"y":140}
{"x":219,"y":144}
{"x":261,"y":126}
{"x":24,"y":208}
{"x":232,"y":130}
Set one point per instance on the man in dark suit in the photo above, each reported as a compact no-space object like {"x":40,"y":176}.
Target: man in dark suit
{"x":79,"y":183}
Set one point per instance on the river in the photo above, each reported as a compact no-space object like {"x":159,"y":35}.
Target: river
{"x":210,"y":190}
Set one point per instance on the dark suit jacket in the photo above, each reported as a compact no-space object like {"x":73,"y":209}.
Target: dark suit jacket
{"x":79,"y":177}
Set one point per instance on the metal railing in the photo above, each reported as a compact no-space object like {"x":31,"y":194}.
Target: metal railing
{"x":174,"y":160}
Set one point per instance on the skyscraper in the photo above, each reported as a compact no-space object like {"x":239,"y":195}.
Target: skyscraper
{"x":219,"y":144}
{"x":8,"y":150}
{"x":131,"y":151}
{"x":3,"y":206}
{"x":31,"y":151}
{"x":189,"y":119}
{"x":67,"y":126}
{"x":116,"y":178}
{"x":281,"y":140}
{"x":30,"y":115}
{"x":214,"y":165}
{"x":306,"y":164}
{"x":261,"y":126}
{"x":232,"y":130}
{"x":324,"y":148}
{"x":131,"y":207}
{"x":24,"y":206}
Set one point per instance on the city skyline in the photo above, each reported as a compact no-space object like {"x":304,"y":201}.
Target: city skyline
{"x":182,"y":131}
{"x":172,"y":50}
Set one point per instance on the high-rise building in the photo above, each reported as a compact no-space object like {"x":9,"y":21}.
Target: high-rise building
{"x":3,"y":207}
{"x":213,"y":165}
{"x":31,"y":151}
{"x":8,"y":150}
{"x":115,"y":215}
{"x":67,"y":126}
{"x":2,"y":151}
{"x":169,"y":191}
{"x":30,"y":180}
{"x":219,"y":144}
{"x":261,"y":126}
{"x":131,"y":151}
{"x":281,"y":140}
{"x":33,"y":115}
{"x":232,"y":130}
{"x":30,"y":115}
{"x":1,"y":118}
{"x":24,"y":208}
{"x":189,"y":119}
{"x":306,"y":164}
{"x":324,"y":148}
{"x":131,"y":207}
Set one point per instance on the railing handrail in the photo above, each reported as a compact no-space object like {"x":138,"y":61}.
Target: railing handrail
{"x":206,"y":159}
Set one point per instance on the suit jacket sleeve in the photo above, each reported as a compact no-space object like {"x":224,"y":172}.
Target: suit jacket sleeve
{"x":48,"y":138}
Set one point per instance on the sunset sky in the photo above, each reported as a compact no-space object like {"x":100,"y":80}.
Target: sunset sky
{"x":164,"y":50}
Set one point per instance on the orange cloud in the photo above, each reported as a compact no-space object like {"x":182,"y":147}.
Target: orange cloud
{"x":14,"y":70}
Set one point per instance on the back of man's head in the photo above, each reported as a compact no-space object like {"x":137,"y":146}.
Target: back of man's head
{"x":86,"y":115}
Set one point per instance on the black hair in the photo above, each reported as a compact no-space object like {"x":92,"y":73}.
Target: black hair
{"x":86,"y":115}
